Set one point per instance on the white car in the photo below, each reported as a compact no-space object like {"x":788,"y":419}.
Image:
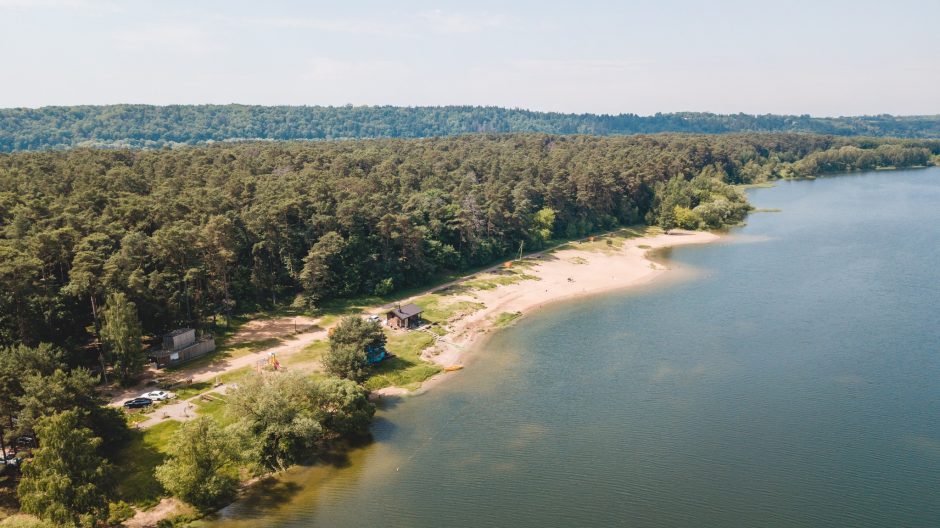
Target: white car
{"x":157,"y":395}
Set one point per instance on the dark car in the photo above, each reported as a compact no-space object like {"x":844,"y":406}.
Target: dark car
{"x":137,"y":403}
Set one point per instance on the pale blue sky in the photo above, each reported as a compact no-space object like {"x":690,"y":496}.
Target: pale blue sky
{"x":817,"y":57}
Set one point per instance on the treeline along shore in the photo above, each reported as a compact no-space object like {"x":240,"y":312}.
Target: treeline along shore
{"x":158,"y":126}
{"x":101,"y":249}
{"x":192,"y":234}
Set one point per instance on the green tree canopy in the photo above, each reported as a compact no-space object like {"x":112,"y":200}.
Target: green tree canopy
{"x":349,"y":343}
{"x":120,"y":332}
{"x":277,"y":418}
{"x":66,"y":482}
{"x":201,"y":469}
{"x":345,"y":407}
{"x":346,"y":361}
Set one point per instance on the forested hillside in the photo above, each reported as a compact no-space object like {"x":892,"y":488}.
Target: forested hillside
{"x":157,"y":126}
{"x":192,"y":233}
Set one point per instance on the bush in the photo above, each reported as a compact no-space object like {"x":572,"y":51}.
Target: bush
{"x":24,"y":521}
{"x":385,"y":287}
{"x":686,"y":218}
{"x":119,"y":512}
{"x":177,"y":521}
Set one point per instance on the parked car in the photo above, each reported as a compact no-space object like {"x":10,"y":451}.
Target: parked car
{"x":157,"y":395}
{"x":25,"y":441}
{"x":138,"y":403}
{"x":12,"y":459}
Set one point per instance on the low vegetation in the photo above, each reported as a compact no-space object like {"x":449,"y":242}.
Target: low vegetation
{"x":406,"y":368}
{"x":505,"y":319}
{"x":440,"y":308}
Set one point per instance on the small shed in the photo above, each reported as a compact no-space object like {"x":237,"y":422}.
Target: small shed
{"x":407,"y":316}
{"x":180,"y":346}
{"x":178,"y":339}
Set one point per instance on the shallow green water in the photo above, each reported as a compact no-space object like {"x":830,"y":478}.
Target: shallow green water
{"x":794,"y":380}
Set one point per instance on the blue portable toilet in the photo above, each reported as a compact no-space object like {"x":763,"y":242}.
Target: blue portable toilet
{"x":375,"y":354}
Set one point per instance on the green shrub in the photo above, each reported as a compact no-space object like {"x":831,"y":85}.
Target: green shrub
{"x":24,"y":521}
{"x":119,"y":512}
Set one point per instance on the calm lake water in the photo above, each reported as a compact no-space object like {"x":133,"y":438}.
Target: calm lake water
{"x":791,"y":378}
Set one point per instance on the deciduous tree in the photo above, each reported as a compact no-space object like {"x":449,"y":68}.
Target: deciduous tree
{"x":201,"y":468}
{"x":66,"y":481}
{"x":120,"y":331}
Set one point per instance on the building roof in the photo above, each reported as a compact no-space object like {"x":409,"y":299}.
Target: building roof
{"x":177,"y":332}
{"x":406,"y":311}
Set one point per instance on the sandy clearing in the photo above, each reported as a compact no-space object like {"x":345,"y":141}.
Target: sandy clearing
{"x":215,"y":369}
{"x":277,"y":327}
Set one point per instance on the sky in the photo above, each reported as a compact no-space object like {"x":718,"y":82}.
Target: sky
{"x":822,"y":57}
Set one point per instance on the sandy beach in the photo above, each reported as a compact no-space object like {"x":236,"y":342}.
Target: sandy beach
{"x":574,"y":270}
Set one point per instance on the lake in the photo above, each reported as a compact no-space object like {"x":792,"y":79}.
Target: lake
{"x":789,"y":378}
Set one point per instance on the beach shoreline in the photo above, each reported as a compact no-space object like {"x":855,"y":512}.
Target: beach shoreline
{"x":574,"y":270}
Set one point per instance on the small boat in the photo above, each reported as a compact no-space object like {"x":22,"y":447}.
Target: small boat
{"x":452,"y":368}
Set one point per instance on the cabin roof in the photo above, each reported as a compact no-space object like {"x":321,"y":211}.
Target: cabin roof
{"x":179,"y":331}
{"x":406,"y":311}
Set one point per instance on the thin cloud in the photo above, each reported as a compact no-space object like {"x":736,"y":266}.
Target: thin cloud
{"x":326,"y":69}
{"x":411,"y":25}
{"x":439,"y":21}
{"x":75,"y":5}
{"x":177,"y":39}
{"x":592,"y":66}
{"x":334,"y":25}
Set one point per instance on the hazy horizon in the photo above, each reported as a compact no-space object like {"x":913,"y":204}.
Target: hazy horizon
{"x":535,"y":110}
{"x":838,"y":59}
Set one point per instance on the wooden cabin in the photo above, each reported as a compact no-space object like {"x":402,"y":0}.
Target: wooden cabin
{"x":407,"y":316}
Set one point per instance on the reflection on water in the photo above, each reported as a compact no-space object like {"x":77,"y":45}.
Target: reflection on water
{"x":794,"y":381}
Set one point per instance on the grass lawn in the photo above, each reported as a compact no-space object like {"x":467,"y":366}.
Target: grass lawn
{"x":493,"y":280}
{"x":312,"y":352}
{"x":135,"y":463}
{"x":406,"y":369}
{"x":226,"y":352}
{"x":214,"y":405}
{"x":506,"y":318}
{"x":439,"y":308}
{"x":186,"y":391}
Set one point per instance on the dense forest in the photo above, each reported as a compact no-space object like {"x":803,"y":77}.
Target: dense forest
{"x":114,"y":126}
{"x":191,"y":234}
